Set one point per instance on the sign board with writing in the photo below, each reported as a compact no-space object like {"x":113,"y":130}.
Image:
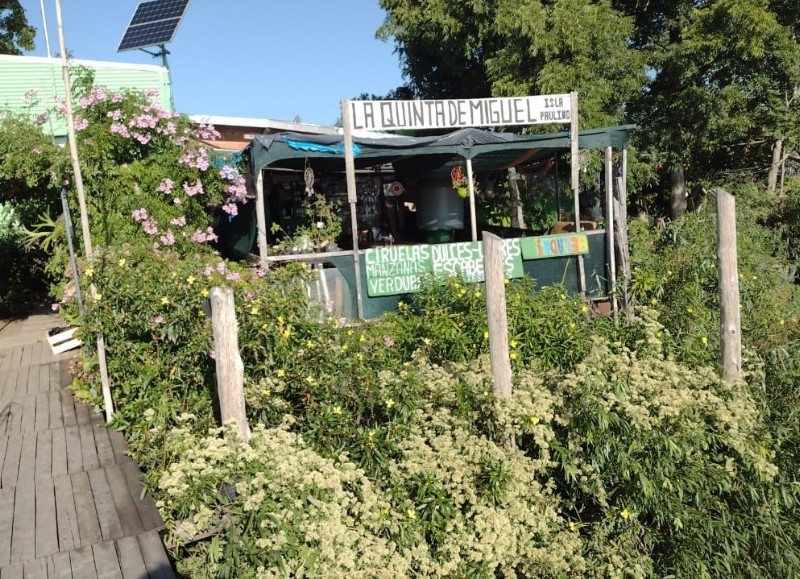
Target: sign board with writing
{"x":396,"y":269}
{"x":554,"y":245}
{"x":460,"y":113}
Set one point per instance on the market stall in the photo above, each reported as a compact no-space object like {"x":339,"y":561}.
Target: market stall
{"x":406,"y":197}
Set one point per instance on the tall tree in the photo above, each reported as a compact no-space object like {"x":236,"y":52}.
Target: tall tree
{"x":16,"y":34}
{"x":481,"y":48}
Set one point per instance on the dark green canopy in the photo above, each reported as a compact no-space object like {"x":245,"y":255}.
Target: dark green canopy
{"x":488,"y":150}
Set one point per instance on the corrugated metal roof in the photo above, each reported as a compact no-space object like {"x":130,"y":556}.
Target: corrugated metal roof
{"x":20,"y":74}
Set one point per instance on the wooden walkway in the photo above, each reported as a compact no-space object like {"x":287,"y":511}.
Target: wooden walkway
{"x":70,"y":498}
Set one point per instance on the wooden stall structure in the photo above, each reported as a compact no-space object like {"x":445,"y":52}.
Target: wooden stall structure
{"x":380,"y":263}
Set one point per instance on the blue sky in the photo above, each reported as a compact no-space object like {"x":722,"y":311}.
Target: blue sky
{"x":247,"y":58}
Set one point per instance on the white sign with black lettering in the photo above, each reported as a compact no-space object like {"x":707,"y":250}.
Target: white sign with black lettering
{"x":460,"y":113}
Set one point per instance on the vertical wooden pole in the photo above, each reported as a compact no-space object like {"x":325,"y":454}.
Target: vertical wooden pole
{"x":517,"y":217}
{"x":621,"y":234}
{"x":261,"y":218}
{"x":612,"y":258}
{"x":496,"y":310}
{"x":575,"y":178}
{"x":230,"y":369}
{"x":350,"y":168}
{"x":87,"y":237}
{"x":730,"y":317}
{"x":472,"y":217}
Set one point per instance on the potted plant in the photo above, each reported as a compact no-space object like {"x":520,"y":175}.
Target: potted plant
{"x":459,"y":179}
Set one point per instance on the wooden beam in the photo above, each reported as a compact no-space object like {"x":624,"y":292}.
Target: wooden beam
{"x":730,"y":317}
{"x":261,"y":217}
{"x":229,"y":365}
{"x":496,"y":312}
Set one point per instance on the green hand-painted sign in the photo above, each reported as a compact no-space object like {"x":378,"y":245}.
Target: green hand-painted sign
{"x":396,"y":269}
{"x":554,"y":245}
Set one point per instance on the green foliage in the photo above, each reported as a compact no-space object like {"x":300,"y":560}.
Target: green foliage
{"x":16,"y":34}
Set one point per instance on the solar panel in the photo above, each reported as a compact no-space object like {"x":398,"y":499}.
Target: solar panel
{"x":153,"y":23}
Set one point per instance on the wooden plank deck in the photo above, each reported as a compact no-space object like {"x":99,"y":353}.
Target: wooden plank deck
{"x":70,"y":498}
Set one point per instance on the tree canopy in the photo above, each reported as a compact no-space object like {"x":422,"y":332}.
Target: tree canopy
{"x":16,"y":34}
{"x":712,"y":83}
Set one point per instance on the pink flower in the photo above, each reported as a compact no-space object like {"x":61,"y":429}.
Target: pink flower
{"x":79,"y":123}
{"x":179,"y":221}
{"x":230,"y":209}
{"x":140,"y":214}
{"x":120,"y":129}
{"x":233,"y":276}
{"x":388,"y":342}
{"x":221,"y":267}
{"x":168,"y":238}
{"x":42,"y":118}
{"x":31,"y":96}
{"x":150,"y":227}
{"x":176,"y":201}
{"x":192,"y":190}
{"x":55,"y":307}
{"x":159,"y":319}
{"x":208,"y":270}
{"x":37,"y":151}
{"x":166,"y":186}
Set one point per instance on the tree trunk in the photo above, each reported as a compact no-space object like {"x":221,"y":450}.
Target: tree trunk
{"x":677,"y":193}
{"x":775,"y":167}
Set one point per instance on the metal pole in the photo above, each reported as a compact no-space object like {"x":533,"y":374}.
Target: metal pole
{"x":70,"y":233}
{"x":612,"y":258}
{"x":472,"y":218}
{"x":44,"y":29}
{"x":575,"y":154}
{"x":350,"y":168}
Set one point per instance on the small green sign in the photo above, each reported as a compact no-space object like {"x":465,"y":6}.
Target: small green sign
{"x":554,"y":245}
{"x":467,"y":259}
{"x":396,"y":269}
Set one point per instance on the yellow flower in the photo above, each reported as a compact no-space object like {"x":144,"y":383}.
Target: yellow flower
{"x":254,"y":310}
{"x":506,"y":281}
{"x":689,"y":309}
{"x":89,"y":272}
{"x":359,"y":356}
{"x":704,"y":340}
{"x":204,"y":293}
{"x":513,"y":343}
{"x":572,"y":325}
{"x":165,"y":301}
{"x":486,"y":335}
{"x":411,"y":514}
{"x":755,"y":277}
{"x":584,"y":308}
{"x":362,"y":338}
{"x":781,"y":322}
{"x":344,"y":347}
{"x":653,"y":301}
{"x":562,"y":296}
{"x":573,"y":526}
{"x":264,"y":326}
{"x":513,"y":355}
{"x":190,"y":280}
{"x":266,"y":392}
{"x":626,"y":513}
{"x":349,"y":332}
{"x":389,"y":403}
{"x":385,"y":511}
{"x":426,"y":341}
{"x":280,"y":319}
{"x":477,"y":293}
{"x":309,"y":344}
{"x":121,"y":262}
{"x":534,"y":420}
{"x":337,"y":410}
{"x":281,"y":372}
{"x":98,"y":297}
{"x":173,"y":274}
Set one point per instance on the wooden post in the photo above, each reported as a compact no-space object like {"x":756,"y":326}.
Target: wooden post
{"x":230,"y":369}
{"x":261,"y":218}
{"x":730,"y":321}
{"x":496,"y":311}
{"x":612,"y":258}
{"x":575,"y":178}
{"x":352,"y":198}
{"x":472,"y":218}
{"x":621,"y":234}
{"x":517,"y":218}
{"x":86,"y":234}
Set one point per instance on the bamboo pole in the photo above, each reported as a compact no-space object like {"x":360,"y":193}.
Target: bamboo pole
{"x":229,"y":365}
{"x":472,"y":217}
{"x":261,"y":218}
{"x":352,"y":198}
{"x":575,"y":178}
{"x":87,"y":238}
{"x":496,"y":311}
{"x":730,"y":320}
